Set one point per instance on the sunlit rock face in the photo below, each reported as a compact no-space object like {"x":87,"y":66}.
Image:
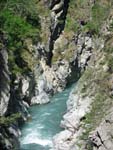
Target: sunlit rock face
{"x":101,"y":138}
{"x":86,"y":125}
{"x":4,"y":77}
{"x":76,"y":110}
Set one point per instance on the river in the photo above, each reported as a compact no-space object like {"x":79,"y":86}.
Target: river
{"x":37,"y":134}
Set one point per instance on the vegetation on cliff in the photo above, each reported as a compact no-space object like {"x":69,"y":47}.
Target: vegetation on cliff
{"x":87,"y":16}
{"x":7,"y":121}
{"x":19,"y":21}
{"x":93,"y":18}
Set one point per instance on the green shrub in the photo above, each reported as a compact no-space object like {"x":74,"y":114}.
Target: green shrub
{"x":16,"y":28}
{"x":98,"y":14}
{"x":6,"y":121}
{"x":71,"y":25}
{"x":92,"y":27}
{"x":19,"y":20}
{"x":20,"y":7}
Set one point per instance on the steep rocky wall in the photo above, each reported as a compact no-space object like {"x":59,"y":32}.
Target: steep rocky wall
{"x":11,"y":101}
{"x":88,"y":121}
{"x":58,"y":17}
{"x":9,"y":137}
{"x":63,"y":60}
{"x":101,"y":138}
{"x":53,"y":78}
{"x":4,"y":76}
{"x":78,"y":105}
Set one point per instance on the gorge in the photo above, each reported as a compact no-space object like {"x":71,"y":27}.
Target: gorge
{"x":46,"y":46}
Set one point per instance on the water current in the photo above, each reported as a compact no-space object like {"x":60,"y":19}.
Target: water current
{"x":37,"y":134}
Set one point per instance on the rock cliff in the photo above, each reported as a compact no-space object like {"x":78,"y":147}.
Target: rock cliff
{"x":4,"y":77}
{"x":90,"y":103}
{"x":56,"y":43}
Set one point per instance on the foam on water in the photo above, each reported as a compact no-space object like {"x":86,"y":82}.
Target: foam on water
{"x":46,"y":114}
{"x":45,"y":123}
{"x":33,"y":139}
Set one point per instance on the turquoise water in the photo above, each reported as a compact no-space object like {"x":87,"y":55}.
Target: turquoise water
{"x":37,"y":134}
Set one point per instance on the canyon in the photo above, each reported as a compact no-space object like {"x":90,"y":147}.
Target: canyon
{"x":55,"y":45}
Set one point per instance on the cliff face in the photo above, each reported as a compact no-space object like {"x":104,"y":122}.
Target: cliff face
{"x":73,"y":43}
{"x":88,"y":121}
{"x":28,"y":81}
{"x":4,"y":77}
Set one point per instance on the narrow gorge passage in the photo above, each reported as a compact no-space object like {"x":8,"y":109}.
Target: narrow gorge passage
{"x":37,"y":134}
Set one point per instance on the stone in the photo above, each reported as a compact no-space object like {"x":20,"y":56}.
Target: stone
{"x":101,"y":138}
{"x":77,"y":107}
{"x":42,"y":98}
{"x":58,"y":7}
{"x":61,"y":139}
{"x":4,"y":82}
{"x":25,"y":86}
